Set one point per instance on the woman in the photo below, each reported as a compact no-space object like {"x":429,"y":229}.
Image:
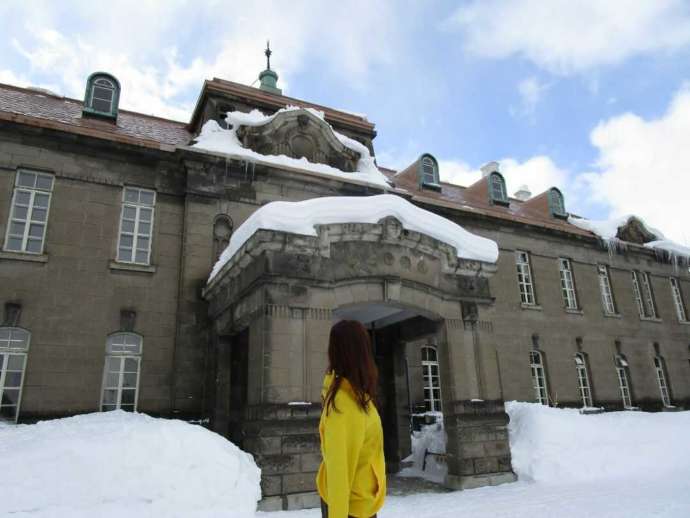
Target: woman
{"x":352,"y":475}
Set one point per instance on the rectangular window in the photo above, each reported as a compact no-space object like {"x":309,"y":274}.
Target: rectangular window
{"x":661,"y":380}
{"x":567,"y":283}
{"x":432,"y":379}
{"x":623,"y":381}
{"x":607,"y":301}
{"x":14,"y":343}
{"x":539,"y":377}
{"x":524,"y":276}
{"x":583,"y":385}
{"x":120,"y":383}
{"x":26,"y":228}
{"x":136,"y":225}
{"x":678,"y":301}
{"x":642,"y":291}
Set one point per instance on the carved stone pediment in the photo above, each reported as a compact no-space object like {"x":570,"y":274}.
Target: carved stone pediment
{"x":297,"y":134}
{"x":634,"y":231}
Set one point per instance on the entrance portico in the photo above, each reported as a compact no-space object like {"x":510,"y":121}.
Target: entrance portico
{"x":272,"y":306}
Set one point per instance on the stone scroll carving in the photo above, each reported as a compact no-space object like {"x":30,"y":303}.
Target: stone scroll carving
{"x":299,"y":134}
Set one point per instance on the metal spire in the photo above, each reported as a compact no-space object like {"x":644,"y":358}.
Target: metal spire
{"x":268,"y":54}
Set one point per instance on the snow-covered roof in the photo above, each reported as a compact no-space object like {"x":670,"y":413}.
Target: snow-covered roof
{"x":215,"y":138}
{"x":608,"y":229}
{"x":302,"y":218}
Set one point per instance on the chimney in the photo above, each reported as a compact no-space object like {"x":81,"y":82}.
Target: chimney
{"x":523,"y":193}
{"x":488,"y":168}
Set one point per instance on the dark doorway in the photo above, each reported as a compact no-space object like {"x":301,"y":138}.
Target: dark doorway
{"x":391,"y":329}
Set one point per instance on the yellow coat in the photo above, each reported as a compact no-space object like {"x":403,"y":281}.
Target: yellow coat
{"x":352,"y":475}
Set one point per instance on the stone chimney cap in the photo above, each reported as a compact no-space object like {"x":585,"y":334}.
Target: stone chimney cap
{"x":488,"y":168}
{"x":523,"y":193}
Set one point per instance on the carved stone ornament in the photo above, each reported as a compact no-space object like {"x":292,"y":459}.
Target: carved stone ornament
{"x":634,"y":231}
{"x":298,"y":134}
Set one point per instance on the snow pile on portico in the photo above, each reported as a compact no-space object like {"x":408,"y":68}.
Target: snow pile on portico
{"x":608,"y":228}
{"x":117,"y":464}
{"x":302,"y":218}
{"x":215,"y":138}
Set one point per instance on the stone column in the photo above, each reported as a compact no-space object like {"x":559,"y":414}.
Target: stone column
{"x":478,"y":453}
{"x":280,"y":428}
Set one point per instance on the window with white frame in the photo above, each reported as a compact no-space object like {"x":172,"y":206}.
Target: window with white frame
{"x":605,"y":290}
{"x":26,"y":228}
{"x":136,"y":225}
{"x":121,"y":372}
{"x":429,"y":171}
{"x":623,"y":380}
{"x":678,"y":301}
{"x":524,"y":277}
{"x":642,"y":291}
{"x":538,"y":368}
{"x":567,"y":283}
{"x":583,"y":385}
{"x":14,"y":346}
{"x":660,"y":368}
{"x":432,"y":379}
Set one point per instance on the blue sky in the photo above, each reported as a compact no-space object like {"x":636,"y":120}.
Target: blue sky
{"x":591,"y":96}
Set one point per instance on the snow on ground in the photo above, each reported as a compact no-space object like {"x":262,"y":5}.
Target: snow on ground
{"x":118,"y":464}
{"x":215,"y":138}
{"x":618,"y":464}
{"x":303,"y":216}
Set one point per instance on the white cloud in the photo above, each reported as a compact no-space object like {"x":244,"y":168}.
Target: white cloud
{"x":565,"y":36}
{"x":531,"y":91}
{"x":538,"y":172}
{"x":161,"y":61}
{"x":10,"y":78}
{"x":644,"y":167}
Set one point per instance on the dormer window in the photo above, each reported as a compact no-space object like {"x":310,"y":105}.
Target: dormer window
{"x":497,"y":189}
{"x":102,"y":95}
{"x":428,"y":172}
{"x":556,"y":203}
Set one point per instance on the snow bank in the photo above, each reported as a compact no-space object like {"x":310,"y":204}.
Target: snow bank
{"x":562,"y":446}
{"x":215,"y":138}
{"x":120,"y":464}
{"x":303,"y":216}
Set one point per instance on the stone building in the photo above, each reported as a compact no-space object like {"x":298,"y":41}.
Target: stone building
{"x":112,"y":222}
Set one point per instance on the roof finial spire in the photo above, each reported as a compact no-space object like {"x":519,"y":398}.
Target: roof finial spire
{"x":268,"y":54}
{"x":269,"y":78}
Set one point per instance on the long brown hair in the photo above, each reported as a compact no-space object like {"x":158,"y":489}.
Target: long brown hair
{"x":350,"y":357}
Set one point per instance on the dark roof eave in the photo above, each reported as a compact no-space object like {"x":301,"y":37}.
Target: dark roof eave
{"x":273,"y":101}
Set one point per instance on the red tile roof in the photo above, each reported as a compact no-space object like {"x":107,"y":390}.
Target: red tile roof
{"x":468,"y":199}
{"x":42,"y":109}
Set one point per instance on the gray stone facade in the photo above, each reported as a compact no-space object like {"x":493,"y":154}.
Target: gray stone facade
{"x":247,"y":352}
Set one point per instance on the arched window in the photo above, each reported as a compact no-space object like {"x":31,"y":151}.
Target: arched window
{"x":432,"y":379}
{"x":121,"y":372}
{"x":14,"y":346}
{"x":623,"y":374}
{"x":222,"y":230}
{"x":538,"y":367}
{"x":556,"y":203}
{"x":102,"y":95}
{"x":660,"y":368}
{"x":428,"y":174}
{"x":583,"y":385}
{"x":497,"y":189}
